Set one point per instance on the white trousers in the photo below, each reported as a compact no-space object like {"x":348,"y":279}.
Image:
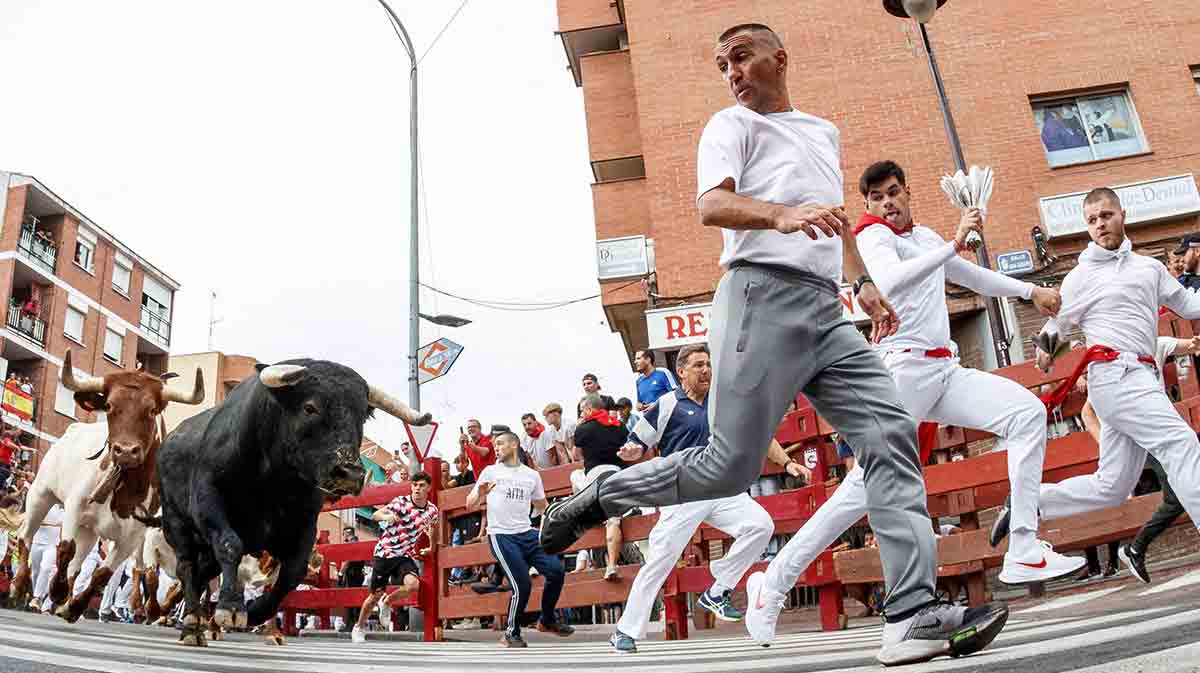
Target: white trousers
{"x":738,"y":516}
{"x":43,"y":561}
{"x":116,"y":595}
{"x":1136,"y":417}
{"x":940,"y":390}
{"x":86,"y":571}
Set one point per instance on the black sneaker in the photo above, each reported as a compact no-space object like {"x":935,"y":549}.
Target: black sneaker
{"x":941,"y":629}
{"x":566,"y":520}
{"x":1135,"y":561}
{"x":1000,"y":527}
{"x":487,"y":587}
{"x":513,"y":641}
{"x":557,"y":628}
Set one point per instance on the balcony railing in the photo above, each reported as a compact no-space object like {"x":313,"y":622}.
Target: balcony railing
{"x":27,"y":324}
{"x":36,"y":250}
{"x":156,"y":325}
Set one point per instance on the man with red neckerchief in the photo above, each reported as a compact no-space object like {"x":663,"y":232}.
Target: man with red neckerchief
{"x":1114,"y":295}
{"x":598,"y":439}
{"x":910,"y":264}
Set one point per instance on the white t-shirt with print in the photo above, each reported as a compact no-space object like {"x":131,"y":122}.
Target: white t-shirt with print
{"x":790,"y":158}
{"x":509,"y":501}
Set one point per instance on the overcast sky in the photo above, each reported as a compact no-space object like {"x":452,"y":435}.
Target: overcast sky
{"x":260,"y":150}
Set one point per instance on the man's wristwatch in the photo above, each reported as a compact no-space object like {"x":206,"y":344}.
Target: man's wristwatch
{"x":862,"y":280}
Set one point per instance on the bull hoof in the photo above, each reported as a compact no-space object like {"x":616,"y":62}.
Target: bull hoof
{"x":424,"y":419}
{"x":193,"y":636}
{"x":66,"y":613}
{"x":227,"y":618}
{"x":275,"y":639}
{"x":216,"y":634}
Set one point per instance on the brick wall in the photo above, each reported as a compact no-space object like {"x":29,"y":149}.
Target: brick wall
{"x":611,"y":104}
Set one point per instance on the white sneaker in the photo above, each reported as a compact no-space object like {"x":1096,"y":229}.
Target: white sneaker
{"x":941,"y":629}
{"x":763,"y":606}
{"x":357,"y":635}
{"x":1040,"y":564}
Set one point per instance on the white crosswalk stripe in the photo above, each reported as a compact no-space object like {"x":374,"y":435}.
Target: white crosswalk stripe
{"x":115,"y":648}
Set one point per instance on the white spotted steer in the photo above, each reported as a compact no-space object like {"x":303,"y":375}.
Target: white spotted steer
{"x":103,"y":474}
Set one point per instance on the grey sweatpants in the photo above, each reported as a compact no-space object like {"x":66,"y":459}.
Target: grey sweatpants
{"x":774,"y":333}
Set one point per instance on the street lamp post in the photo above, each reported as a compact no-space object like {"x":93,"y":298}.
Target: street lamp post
{"x":414,"y":278}
{"x":922,"y":11}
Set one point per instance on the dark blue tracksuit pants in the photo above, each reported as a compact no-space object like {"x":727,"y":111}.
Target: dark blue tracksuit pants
{"x":516,"y":553}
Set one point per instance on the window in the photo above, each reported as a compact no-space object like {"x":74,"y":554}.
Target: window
{"x":1089,"y":128}
{"x":85,"y":249}
{"x":64,"y":400}
{"x":113,"y":341}
{"x":122,"y":270}
{"x":73,"y":327}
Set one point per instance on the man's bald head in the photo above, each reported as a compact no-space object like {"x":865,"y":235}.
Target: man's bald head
{"x":758,"y":31}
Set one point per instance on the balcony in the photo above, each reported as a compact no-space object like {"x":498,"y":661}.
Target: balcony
{"x":27,"y":325}
{"x":156,"y":326}
{"x":36,"y":247}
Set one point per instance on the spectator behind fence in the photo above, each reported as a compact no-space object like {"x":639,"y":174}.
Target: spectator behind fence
{"x":652,"y":382}
{"x":564,"y":433}
{"x":538,"y":443}
{"x":591,"y":386}
{"x":351,"y":574}
{"x":629,"y":418}
{"x":477,"y":446}
{"x":511,"y":490}
{"x":1189,"y":250}
{"x":466,"y":529}
{"x":599,"y":437}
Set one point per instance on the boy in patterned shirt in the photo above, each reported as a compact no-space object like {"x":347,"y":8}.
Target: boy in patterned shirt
{"x":405,"y":520}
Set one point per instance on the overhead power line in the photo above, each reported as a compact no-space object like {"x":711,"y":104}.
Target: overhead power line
{"x":521,"y":306}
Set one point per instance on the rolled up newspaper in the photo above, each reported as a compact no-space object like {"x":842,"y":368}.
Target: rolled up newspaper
{"x":970,"y":190}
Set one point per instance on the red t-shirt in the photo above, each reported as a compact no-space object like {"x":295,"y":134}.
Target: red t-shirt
{"x":7,"y":449}
{"x":479,"y":462}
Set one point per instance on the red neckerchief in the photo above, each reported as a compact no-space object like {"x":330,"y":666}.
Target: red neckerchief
{"x":537,"y":431}
{"x":868,"y":219}
{"x":603,"y":418}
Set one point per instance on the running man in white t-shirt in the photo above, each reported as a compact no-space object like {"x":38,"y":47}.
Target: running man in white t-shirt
{"x":769,"y":178}
{"x":512,"y":490}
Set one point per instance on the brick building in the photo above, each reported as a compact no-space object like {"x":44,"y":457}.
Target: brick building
{"x":66,"y":283}
{"x":1055,"y":99}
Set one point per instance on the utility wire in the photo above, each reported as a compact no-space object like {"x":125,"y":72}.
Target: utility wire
{"x":525,"y":306}
{"x":442,"y":31}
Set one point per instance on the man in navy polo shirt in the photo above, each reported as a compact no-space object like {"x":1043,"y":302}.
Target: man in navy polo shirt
{"x":679,"y":420}
{"x":652,"y":382}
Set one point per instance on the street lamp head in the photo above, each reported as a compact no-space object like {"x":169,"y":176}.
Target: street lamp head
{"x":446,"y":320}
{"x":921,"y":10}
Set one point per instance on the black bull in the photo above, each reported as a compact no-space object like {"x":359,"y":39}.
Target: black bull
{"x":252,"y":475}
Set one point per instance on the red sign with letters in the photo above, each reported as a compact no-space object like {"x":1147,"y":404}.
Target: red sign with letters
{"x":678,"y":326}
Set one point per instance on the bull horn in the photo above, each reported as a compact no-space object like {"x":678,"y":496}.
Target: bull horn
{"x":282,"y":376}
{"x":394,"y":407}
{"x":168,"y":376}
{"x":195,"y":397}
{"x":86,"y":384}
